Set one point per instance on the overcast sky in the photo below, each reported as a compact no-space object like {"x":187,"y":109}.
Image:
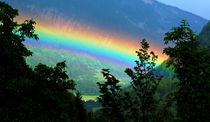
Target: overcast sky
{"x":198,"y":7}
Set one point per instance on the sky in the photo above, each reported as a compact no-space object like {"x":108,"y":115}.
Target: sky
{"x":198,"y":7}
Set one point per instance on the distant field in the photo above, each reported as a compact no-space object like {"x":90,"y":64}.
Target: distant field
{"x":89,"y":97}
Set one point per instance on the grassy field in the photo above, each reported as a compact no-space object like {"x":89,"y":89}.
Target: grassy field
{"x":89,"y":97}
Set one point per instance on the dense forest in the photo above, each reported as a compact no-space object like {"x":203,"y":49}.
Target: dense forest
{"x":47,"y":94}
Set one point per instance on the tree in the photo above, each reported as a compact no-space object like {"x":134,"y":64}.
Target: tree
{"x":12,"y":37}
{"x":144,"y":82}
{"x":41,"y":94}
{"x":56,"y":76}
{"x":110,"y":97}
{"x":13,"y":68}
{"x":140,"y":105}
{"x":82,"y":113}
{"x":192,"y":66}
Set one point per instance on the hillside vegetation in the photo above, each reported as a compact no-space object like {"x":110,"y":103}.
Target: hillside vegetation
{"x":136,"y":19}
{"x":45,"y":93}
{"x":204,"y":36}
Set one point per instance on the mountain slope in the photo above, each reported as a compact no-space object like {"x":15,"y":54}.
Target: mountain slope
{"x":147,"y":18}
{"x":101,"y":22}
{"x":204,"y":36}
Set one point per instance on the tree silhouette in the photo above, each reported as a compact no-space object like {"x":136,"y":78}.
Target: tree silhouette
{"x":192,"y":66}
{"x":41,"y":94}
{"x":140,"y":105}
{"x":144,"y":82}
{"x":13,"y":68}
{"x":110,"y":97}
{"x":56,"y":76}
{"x":12,"y":36}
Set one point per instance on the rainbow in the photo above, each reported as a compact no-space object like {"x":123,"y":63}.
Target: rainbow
{"x":86,"y":40}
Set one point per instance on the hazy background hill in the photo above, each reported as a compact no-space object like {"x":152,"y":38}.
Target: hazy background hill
{"x":133,"y":18}
{"x":204,"y":36}
{"x":136,"y":18}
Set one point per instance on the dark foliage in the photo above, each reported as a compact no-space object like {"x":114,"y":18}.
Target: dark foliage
{"x":141,"y":105}
{"x":44,"y":93}
{"x":41,"y":94}
{"x":91,"y":104}
{"x":192,"y":66}
{"x":144,"y":82}
{"x":110,"y":97}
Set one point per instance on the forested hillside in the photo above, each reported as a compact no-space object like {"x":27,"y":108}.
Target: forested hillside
{"x":107,"y":34}
{"x":47,"y":94}
{"x":204,"y":36}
